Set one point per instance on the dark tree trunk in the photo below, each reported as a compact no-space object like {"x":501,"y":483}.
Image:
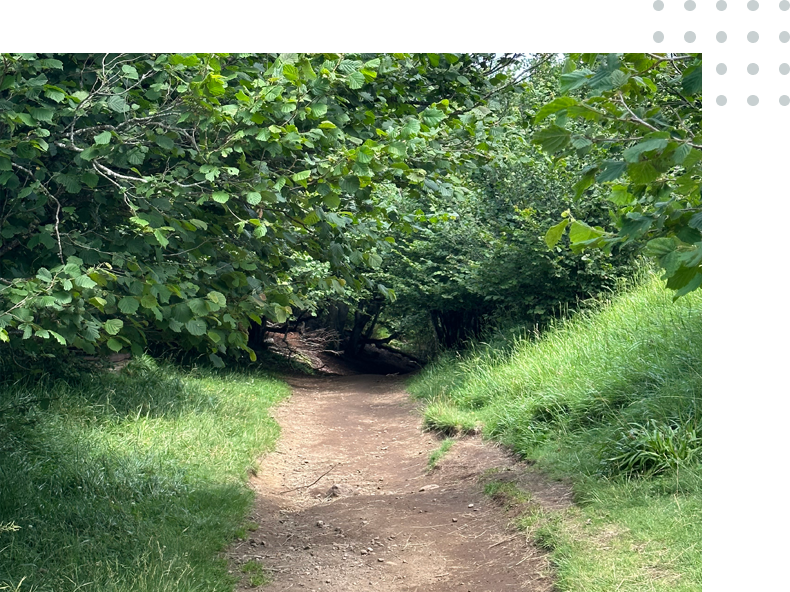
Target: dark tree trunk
{"x":456,"y":326}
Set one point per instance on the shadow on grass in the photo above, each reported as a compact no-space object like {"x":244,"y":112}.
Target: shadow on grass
{"x":129,"y":481}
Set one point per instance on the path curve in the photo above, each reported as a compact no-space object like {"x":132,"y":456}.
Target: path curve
{"x":377,"y":519}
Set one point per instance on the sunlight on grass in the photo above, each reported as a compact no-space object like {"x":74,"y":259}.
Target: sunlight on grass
{"x":131,"y":481}
{"x":611,"y":398}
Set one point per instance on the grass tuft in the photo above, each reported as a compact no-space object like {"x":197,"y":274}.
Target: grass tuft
{"x":439,"y":453}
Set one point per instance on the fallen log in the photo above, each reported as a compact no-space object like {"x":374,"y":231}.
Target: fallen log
{"x":394,"y":350}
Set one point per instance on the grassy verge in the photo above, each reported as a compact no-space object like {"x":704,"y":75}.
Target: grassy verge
{"x":132,"y":481}
{"x":612,"y":400}
{"x":439,"y":453}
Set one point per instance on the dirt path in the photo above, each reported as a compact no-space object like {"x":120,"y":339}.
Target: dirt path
{"x":377,"y":519}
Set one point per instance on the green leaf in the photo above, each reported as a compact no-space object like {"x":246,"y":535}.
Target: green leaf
{"x":165,"y":142}
{"x":555,"y":233}
{"x":356,"y":80}
{"x":301,"y":175}
{"x":332,"y":200}
{"x":136,"y":157}
{"x":217,"y":297}
{"x":632,"y":153}
{"x":554,"y":106}
{"x":196,"y":327}
{"x":696,"y":221}
{"x":90,"y":179}
{"x":553,"y":138}
{"x":580,"y":142}
{"x":54,"y":93}
{"x":416,"y":176}
{"x":691,"y":83}
{"x":113,"y":326}
{"x":397,"y":149}
{"x":130,"y":71}
{"x":128,"y":305}
{"x":581,"y":232}
{"x":58,"y":337}
{"x":683,"y":277}
{"x":574,"y":80}
{"x":642,"y":173}
{"x":680,"y":154}
{"x":220,"y":196}
{"x":318,"y":109}
{"x":349,"y":184}
{"x":618,"y":78}
{"x":410,"y":129}
{"x":687,"y":234}
{"x":83,"y":281}
{"x":635,"y":225}
{"x":142,"y":222}
{"x":660,"y":247}
{"x":310,"y":219}
{"x":620,"y":196}
{"x":114,"y":344}
{"x":102,"y":138}
{"x":280,"y":313}
{"x":161,"y":238}
{"x":612,"y":169}
{"x":117,"y":103}
{"x":691,"y":285}
{"x":433,"y":117}
{"x":692,"y":257}
{"x":42,"y":114}
{"x":586,"y":181}
{"x":148,"y":301}
{"x":69,"y":182}
{"x":253,"y":198}
{"x":291,"y":72}
{"x":44,"y":275}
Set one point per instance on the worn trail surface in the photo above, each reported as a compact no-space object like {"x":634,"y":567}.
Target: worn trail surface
{"x":377,"y":519}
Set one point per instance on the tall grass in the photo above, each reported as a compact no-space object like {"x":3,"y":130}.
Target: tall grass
{"x":611,"y":398}
{"x":132,"y":481}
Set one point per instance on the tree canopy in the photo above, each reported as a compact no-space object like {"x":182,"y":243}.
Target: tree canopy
{"x":638,"y":119}
{"x":176,"y":196}
{"x":186,"y":198}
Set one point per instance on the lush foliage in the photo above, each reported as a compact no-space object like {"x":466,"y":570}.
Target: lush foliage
{"x":637,"y":119}
{"x":483,"y":260}
{"x":129,"y":482}
{"x":181,"y":197}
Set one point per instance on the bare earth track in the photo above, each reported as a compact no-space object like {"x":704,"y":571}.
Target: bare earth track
{"x":346,"y":501}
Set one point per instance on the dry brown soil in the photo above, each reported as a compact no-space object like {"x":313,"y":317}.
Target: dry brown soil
{"x":346,"y":501}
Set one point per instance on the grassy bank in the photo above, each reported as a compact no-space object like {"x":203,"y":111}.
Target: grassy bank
{"x":612,"y":400}
{"x":129,"y":481}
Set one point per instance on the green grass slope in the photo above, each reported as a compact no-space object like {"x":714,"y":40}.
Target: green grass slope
{"x":611,"y":399}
